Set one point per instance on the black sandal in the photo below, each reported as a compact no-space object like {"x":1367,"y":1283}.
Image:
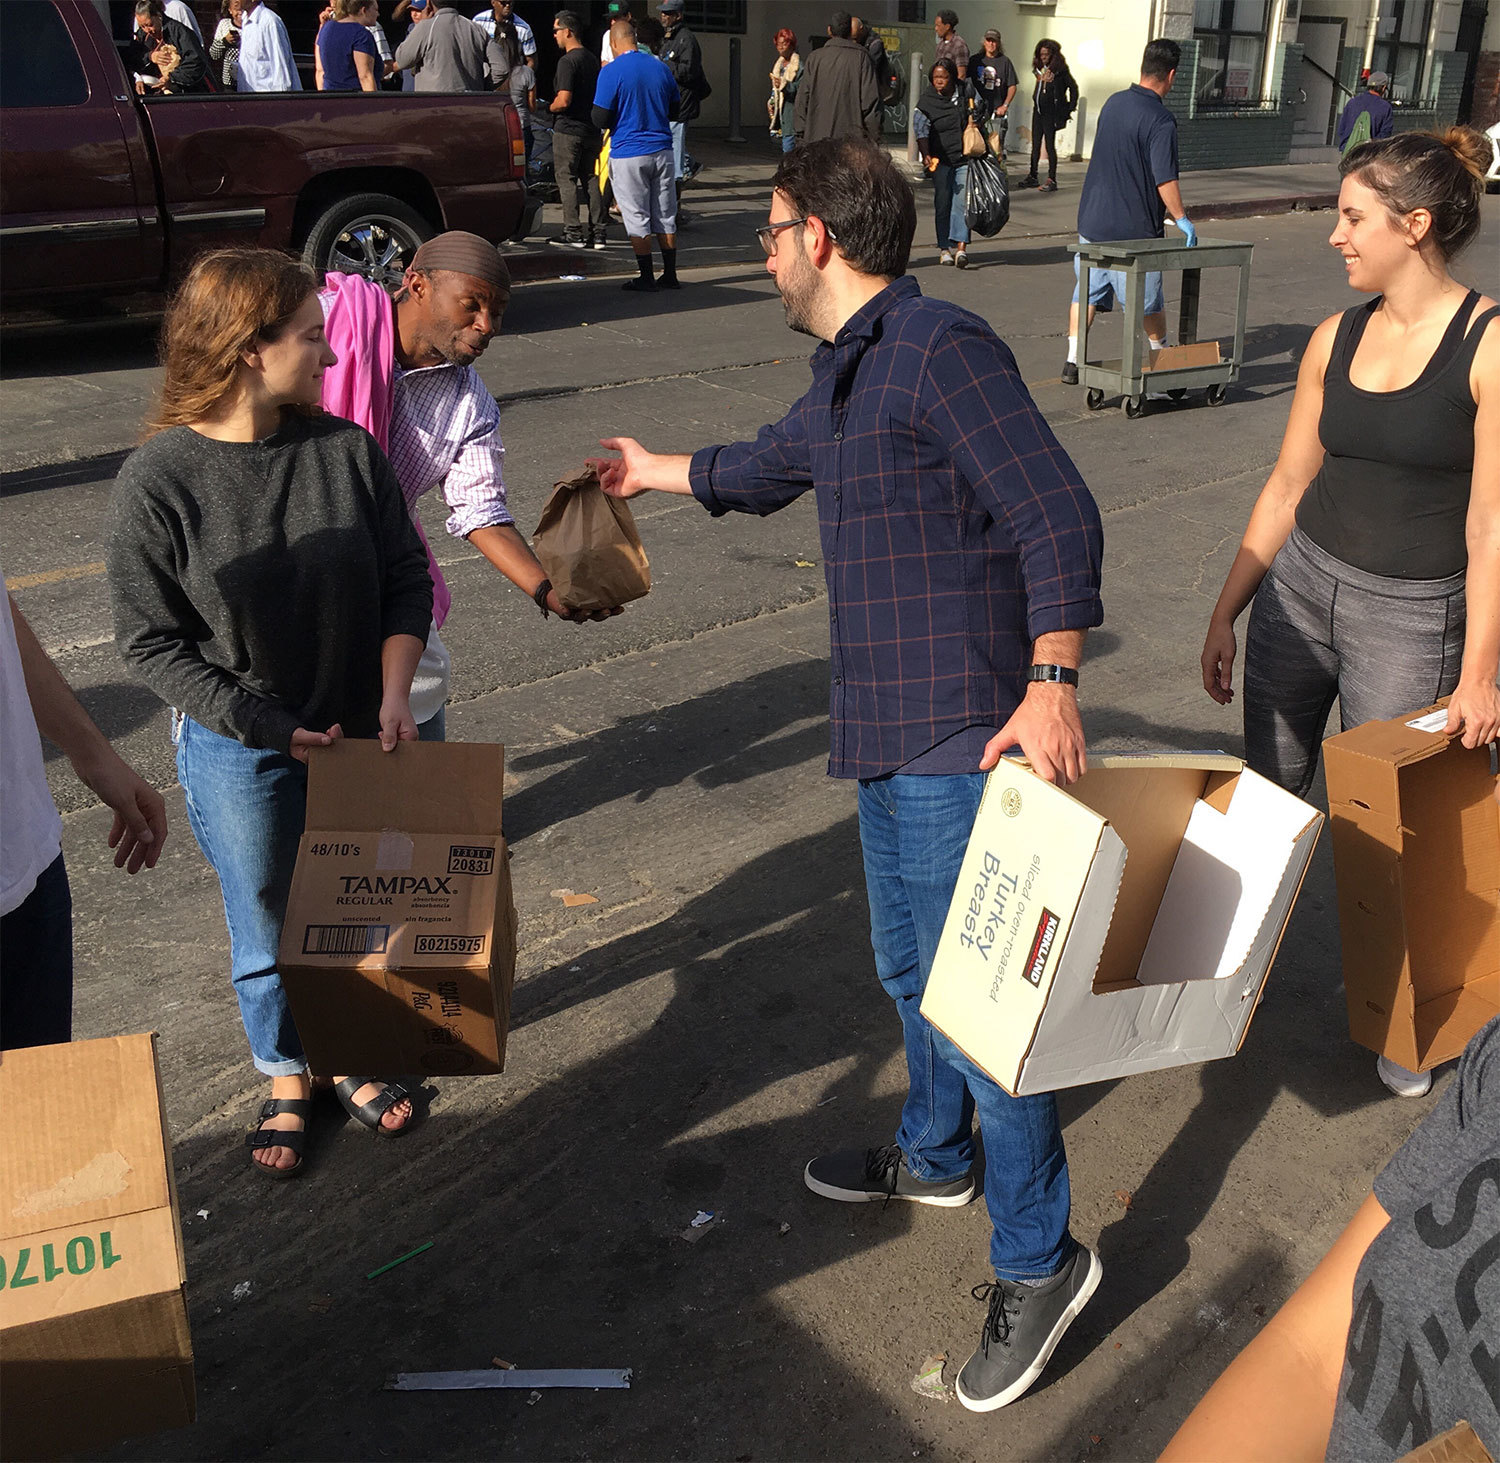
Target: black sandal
{"x":368,"y":1114}
{"x":263,"y":1137}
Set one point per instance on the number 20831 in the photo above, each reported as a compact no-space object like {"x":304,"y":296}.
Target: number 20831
{"x":42,"y":1264}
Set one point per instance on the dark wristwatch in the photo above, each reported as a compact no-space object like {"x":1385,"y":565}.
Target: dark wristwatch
{"x":539,"y":596}
{"x":1063,"y":674}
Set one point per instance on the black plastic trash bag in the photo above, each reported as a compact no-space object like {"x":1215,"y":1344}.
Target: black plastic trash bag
{"x":987,"y":198}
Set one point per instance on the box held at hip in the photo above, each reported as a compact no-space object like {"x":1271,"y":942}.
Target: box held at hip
{"x":1123,"y":925}
{"x":399,"y":947}
{"x":1416,"y":852}
{"x":94,"y":1343}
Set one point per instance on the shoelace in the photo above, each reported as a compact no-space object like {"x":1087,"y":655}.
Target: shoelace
{"x":1005,"y":1306}
{"x":882,"y":1165}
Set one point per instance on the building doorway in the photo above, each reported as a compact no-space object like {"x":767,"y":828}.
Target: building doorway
{"x":1322,"y":40}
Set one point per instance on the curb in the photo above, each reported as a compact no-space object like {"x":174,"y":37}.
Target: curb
{"x":1251,"y":207}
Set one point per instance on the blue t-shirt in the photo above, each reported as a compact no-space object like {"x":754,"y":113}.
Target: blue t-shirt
{"x":640,"y":91}
{"x":337,"y":43}
{"x":1135,"y":152}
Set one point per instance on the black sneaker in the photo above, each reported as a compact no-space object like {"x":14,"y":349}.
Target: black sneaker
{"x":640,"y":285}
{"x":1069,"y":373}
{"x":569,"y":241}
{"x":1029,"y":181}
{"x":598,"y":240}
{"x":857,"y":1177}
{"x":1021,"y":1331}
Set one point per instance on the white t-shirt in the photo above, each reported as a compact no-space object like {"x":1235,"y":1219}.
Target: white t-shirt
{"x":30,"y":830}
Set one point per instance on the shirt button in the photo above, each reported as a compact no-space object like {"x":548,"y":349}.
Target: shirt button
{"x":838,"y":436}
{"x":838,"y":680}
{"x":837,"y":495}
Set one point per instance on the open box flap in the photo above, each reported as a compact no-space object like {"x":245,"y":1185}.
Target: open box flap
{"x":1396,"y":742}
{"x":450,"y":787}
{"x":1244,"y":861}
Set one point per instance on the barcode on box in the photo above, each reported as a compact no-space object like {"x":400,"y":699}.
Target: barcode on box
{"x":465,"y":858}
{"x":345,"y":939}
{"x":448,"y":945}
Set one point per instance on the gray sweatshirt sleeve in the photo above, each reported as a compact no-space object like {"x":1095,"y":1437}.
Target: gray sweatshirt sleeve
{"x":406,"y":595}
{"x":158,"y":632}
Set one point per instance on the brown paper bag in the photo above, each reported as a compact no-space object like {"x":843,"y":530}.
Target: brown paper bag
{"x":588,"y":544}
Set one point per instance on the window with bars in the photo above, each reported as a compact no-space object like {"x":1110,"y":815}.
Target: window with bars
{"x":1401,"y":45}
{"x":721,"y":16}
{"x":1231,"y":36}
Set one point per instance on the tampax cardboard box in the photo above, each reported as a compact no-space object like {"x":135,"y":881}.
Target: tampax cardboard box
{"x":399,"y":947}
{"x":1124,"y":925}
{"x":1416,"y":850}
{"x":94,"y":1343}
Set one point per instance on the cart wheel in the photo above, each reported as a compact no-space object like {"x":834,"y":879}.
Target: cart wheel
{"x":1178,"y":393}
{"x":1216,"y":394}
{"x":1134,"y":407}
{"x":1095,"y":398}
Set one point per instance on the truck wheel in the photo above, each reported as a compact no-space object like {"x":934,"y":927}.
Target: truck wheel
{"x":370,"y":234}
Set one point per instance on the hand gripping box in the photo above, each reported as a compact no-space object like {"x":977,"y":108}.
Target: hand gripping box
{"x":1416,"y":849}
{"x":1122,"y":926}
{"x":94,"y":1343}
{"x":399,"y":947}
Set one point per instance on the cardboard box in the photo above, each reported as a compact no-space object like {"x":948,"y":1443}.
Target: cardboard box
{"x":94,"y":1343}
{"x":1416,"y":848}
{"x":1122,"y":926}
{"x":399,"y":947}
{"x":1460,"y":1444}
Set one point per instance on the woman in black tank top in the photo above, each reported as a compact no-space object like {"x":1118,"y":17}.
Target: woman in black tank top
{"x":1373,"y":552}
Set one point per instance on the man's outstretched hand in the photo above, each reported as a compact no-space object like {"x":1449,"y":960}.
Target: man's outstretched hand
{"x":637,"y":471}
{"x":1048,"y":730}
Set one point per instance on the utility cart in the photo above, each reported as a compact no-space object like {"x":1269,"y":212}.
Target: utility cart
{"x":1179,"y":368}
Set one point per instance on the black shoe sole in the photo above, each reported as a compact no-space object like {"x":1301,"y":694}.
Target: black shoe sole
{"x":864,"y":1196}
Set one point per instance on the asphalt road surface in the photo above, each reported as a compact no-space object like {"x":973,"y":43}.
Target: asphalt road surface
{"x":689,"y":1041}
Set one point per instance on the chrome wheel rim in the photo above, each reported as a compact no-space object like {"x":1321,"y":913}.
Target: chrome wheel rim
{"x":377,"y":247}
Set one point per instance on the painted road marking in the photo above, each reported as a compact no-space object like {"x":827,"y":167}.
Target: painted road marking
{"x":55,"y":576}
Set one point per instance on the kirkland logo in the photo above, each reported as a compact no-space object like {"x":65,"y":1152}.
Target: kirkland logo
{"x":464,"y":858}
{"x":448,"y":945}
{"x":1041,"y":947}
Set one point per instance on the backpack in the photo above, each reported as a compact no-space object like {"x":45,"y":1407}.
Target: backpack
{"x":1360,"y":131}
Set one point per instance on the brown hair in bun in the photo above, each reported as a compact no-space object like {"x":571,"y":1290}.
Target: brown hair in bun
{"x":1443,"y":174}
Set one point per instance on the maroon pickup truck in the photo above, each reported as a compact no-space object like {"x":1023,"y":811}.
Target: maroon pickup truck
{"x":106,"y":197}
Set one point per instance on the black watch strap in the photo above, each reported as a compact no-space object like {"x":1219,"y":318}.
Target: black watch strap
{"x":1065,"y":674}
{"x":539,"y":596}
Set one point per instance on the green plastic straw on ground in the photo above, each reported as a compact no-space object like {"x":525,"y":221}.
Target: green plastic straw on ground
{"x":399,"y":1260}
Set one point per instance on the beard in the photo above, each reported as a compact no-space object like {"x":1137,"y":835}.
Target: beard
{"x":798,"y":287}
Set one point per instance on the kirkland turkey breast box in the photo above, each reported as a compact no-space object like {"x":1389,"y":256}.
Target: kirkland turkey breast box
{"x":94,"y":1343}
{"x":399,"y":947}
{"x":1416,"y":849}
{"x":1121,"y":926}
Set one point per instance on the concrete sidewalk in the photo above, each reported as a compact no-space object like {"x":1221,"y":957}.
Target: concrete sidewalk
{"x":730,"y":196}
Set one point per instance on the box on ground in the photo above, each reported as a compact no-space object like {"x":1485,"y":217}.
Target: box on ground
{"x":399,"y":947}
{"x":94,"y":1343}
{"x":1124,"y":925}
{"x":1416,"y":850}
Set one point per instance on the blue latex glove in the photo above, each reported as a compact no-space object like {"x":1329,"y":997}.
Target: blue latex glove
{"x":1189,"y":232}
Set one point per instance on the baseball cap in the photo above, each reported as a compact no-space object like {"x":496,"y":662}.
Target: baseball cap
{"x":617,"y":8}
{"x":1379,"y":78}
{"x":670,"y":7}
{"x":992,"y":35}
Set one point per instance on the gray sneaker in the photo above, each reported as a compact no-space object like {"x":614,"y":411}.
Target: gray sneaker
{"x":857,"y":1176}
{"x":1021,"y":1331}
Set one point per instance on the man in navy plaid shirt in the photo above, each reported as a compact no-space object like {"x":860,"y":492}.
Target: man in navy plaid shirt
{"x":962,"y":555}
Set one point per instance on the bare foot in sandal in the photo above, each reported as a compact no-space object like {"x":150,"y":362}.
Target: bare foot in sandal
{"x":374,"y":1102}
{"x":283,"y":1159}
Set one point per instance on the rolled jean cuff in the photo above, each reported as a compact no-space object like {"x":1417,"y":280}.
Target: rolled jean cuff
{"x":1019,"y":1277}
{"x":280,"y":1069}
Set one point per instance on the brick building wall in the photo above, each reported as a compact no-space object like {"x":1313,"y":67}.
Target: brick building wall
{"x":1253,"y":137}
{"x":1486,"y":108}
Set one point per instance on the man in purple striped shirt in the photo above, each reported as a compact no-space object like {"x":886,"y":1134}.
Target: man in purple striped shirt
{"x":962,"y":556}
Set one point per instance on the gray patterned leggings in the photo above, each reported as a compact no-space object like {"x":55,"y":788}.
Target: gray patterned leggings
{"x":1322,"y":629}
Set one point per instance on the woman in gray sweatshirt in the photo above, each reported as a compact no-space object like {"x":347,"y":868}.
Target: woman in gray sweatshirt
{"x":267,"y":583}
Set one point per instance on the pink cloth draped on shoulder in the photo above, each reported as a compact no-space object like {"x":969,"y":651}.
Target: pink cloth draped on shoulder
{"x":360,"y":322}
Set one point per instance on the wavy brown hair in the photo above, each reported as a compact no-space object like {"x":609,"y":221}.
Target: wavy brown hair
{"x":230,"y":299}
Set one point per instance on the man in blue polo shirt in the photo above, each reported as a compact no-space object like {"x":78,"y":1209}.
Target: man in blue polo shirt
{"x":1129,"y":189}
{"x":636,"y":101}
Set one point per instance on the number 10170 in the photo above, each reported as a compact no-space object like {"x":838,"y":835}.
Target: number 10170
{"x":79,"y":1255}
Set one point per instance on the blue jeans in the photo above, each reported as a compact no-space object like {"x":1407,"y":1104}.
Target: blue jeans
{"x":36,"y":964}
{"x":246,"y":809}
{"x":788,"y":141}
{"x":1107,"y":287}
{"x":950,"y":186}
{"x":914,"y":831}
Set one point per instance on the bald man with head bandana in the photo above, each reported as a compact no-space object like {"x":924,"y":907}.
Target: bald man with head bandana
{"x":406,"y":374}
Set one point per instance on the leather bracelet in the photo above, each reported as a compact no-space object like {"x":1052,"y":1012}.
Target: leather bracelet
{"x":1063,"y":674}
{"x":539,"y":596}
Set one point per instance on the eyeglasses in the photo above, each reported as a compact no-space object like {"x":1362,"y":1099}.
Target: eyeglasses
{"x":766,"y":233}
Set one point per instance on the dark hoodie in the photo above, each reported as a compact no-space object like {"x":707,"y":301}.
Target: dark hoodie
{"x":946,"y":116}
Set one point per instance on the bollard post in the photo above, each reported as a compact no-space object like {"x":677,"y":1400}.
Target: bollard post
{"x":913,"y":91}
{"x":735,"y":135}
